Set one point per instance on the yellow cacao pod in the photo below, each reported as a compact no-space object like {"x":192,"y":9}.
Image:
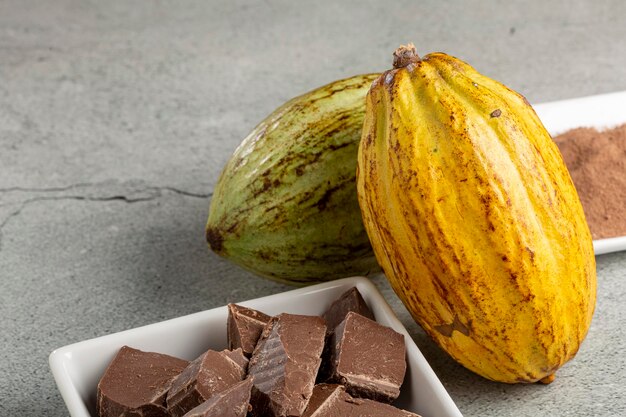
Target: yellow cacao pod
{"x":474,"y":218}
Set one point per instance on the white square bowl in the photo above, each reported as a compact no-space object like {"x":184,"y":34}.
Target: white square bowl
{"x":77,"y":368}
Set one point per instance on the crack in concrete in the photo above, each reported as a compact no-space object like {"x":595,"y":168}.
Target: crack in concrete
{"x":134,"y":196}
{"x":89,"y":184}
{"x":47,"y":190}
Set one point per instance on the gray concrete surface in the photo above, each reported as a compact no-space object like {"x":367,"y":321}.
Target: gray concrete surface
{"x":116,"y":118}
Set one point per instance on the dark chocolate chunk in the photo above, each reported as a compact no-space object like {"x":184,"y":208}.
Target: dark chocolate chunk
{"x":330,"y":400}
{"x":349,"y":301}
{"x":284,"y":365}
{"x":136,"y":383}
{"x":211,"y":373}
{"x":368,"y":358}
{"x":245,"y":326}
{"x":232,"y":402}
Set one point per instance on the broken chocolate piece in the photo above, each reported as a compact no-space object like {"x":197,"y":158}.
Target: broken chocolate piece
{"x":232,"y":402}
{"x":325,"y":400}
{"x":238,"y":357}
{"x":284,"y":365}
{"x":349,"y":301}
{"x":136,"y":383}
{"x":209,"y":374}
{"x":368,"y":358}
{"x":245,"y":326}
{"x":329,"y":400}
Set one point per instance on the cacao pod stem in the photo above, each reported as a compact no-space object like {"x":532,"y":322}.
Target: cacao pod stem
{"x":405,"y":55}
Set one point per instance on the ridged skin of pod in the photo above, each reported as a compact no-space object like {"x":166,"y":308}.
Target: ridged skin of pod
{"x":475,"y":220}
{"x":285,"y":206}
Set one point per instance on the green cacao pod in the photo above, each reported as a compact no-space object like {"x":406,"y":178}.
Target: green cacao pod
{"x":285,"y":206}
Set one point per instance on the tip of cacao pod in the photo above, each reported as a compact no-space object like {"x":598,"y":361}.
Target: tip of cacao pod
{"x":548,"y":379}
{"x":215,"y":239}
{"x":404,"y":55}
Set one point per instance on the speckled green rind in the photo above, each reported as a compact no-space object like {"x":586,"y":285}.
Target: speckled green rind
{"x":285,"y":206}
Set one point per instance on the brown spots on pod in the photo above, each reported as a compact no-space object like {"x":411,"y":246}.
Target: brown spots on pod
{"x":322,"y":203}
{"x":441,"y":289}
{"x":347,"y":125}
{"x":237,"y":163}
{"x":267,"y":183}
{"x":447,"y":329}
{"x":485,"y":199}
{"x":215,"y":239}
{"x":267,"y":254}
{"x":531,"y":253}
{"x":496,"y":113}
{"x":334,"y":147}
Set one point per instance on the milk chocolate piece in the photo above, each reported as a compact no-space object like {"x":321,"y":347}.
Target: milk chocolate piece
{"x":330,"y":400}
{"x":245,"y":326}
{"x":349,"y":301}
{"x":136,"y":383}
{"x":326,"y":399}
{"x":368,"y":358}
{"x":232,"y":402}
{"x":211,"y":373}
{"x":238,"y":357}
{"x":284,"y":365}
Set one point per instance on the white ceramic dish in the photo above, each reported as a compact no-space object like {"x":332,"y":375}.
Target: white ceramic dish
{"x":77,"y":368}
{"x":601,"y":111}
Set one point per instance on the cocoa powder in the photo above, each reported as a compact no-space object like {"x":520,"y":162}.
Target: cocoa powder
{"x":596,"y":161}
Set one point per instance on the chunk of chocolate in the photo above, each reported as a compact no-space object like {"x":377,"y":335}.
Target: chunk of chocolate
{"x":329,"y":400}
{"x":368,"y":358}
{"x":326,"y":399}
{"x":284,"y":365}
{"x":232,"y":402}
{"x":238,"y":357}
{"x":350,"y":300}
{"x":245,"y":326}
{"x":136,"y":383}
{"x":211,"y":373}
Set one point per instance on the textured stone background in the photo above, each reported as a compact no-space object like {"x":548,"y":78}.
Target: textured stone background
{"x":116,"y":118}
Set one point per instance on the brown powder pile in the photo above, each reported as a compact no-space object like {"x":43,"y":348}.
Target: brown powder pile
{"x":597,"y":163}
